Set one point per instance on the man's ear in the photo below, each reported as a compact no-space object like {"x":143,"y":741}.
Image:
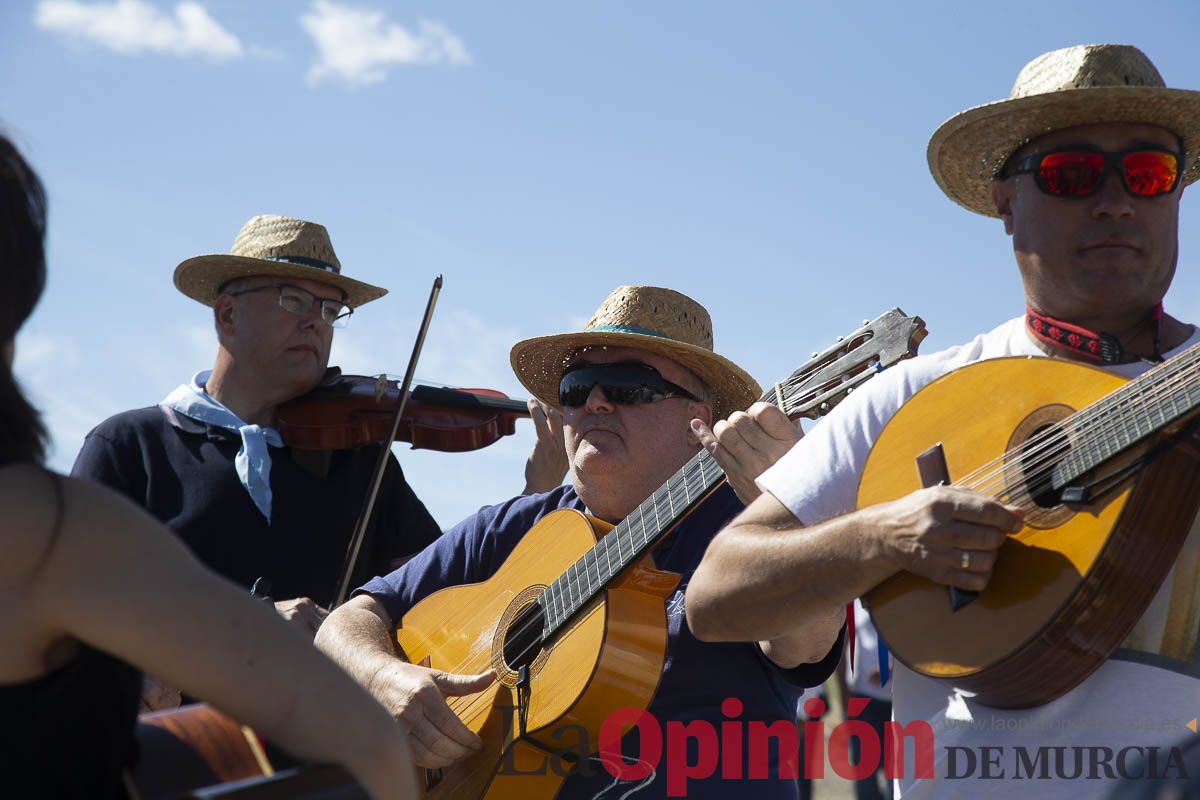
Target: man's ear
{"x":223,"y":316}
{"x":1002,"y":198}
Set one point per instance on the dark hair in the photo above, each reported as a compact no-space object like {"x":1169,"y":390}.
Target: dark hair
{"x":22,"y":278}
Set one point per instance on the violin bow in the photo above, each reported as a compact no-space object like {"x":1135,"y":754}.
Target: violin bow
{"x":364,"y":517}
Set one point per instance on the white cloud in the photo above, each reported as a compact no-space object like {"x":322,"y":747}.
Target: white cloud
{"x":135,"y":26}
{"x":357,"y":45}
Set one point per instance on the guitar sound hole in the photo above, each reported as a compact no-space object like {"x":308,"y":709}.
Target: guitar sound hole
{"x":523,"y":641}
{"x":1042,"y":453}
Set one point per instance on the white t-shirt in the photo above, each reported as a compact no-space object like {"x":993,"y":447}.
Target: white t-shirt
{"x":1143,"y":696}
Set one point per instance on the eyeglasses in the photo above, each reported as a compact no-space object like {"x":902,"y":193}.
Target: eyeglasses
{"x":1146,"y":172}
{"x":334,"y":313}
{"x":626,"y":384}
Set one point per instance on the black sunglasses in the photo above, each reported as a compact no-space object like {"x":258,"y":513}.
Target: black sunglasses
{"x":1078,"y":172}
{"x":625,"y":383}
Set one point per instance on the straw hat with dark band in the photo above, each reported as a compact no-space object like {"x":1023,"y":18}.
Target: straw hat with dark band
{"x":1084,"y":85}
{"x":648,"y":318}
{"x":278,"y":246}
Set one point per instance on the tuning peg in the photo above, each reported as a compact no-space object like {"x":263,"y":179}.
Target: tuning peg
{"x":866,"y":322}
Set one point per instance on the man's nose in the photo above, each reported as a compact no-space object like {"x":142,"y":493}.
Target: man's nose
{"x":598,"y":402}
{"x":1112,"y":199}
{"x":311,"y":319}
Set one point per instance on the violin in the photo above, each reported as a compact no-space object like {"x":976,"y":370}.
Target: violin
{"x":347,"y":411}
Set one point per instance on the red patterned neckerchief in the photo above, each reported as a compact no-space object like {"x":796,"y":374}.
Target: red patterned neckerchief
{"x":1103,"y":348}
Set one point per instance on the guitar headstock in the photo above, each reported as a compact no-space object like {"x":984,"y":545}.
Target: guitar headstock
{"x":832,"y":373}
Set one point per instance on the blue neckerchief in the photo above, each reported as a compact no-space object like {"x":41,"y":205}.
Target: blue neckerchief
{"x":253,"y":461}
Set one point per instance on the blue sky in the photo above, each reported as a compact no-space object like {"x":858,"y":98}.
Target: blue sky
{"x":766,"y":158}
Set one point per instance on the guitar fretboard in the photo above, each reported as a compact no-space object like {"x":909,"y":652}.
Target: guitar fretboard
{"x":635,"y":535}
{"x":631,"y":539}
{"x":1134,"y":412}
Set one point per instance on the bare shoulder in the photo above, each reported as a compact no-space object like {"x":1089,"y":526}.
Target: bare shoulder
{"x":33,"y":499}
{"x":30,"y":507}
{"x":97,"y":516}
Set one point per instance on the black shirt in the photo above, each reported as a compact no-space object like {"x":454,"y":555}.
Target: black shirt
{"x":182,"y":472}
{"x":69,"y":733}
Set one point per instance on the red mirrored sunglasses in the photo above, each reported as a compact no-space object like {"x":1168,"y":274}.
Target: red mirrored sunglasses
{"x":1145,"y":172}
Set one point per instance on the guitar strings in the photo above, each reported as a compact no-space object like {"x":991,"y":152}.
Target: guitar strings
{"x":1094,"y":423}
{"x":1076,"y":437}
{"x":697,"y":466}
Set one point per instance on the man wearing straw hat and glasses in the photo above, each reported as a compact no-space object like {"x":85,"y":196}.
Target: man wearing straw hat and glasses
{"x":638,"y":389}
{"x":1084,"y":164}
{"x":206,"y":460}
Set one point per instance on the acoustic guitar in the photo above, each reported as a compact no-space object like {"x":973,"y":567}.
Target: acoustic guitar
{"x":574,"y":621}
{"x":1108,"y":474}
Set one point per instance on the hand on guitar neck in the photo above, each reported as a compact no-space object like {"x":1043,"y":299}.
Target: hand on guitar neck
{"x":747,"y":443}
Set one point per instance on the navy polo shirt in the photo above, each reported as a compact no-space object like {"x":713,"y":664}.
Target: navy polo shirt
{"x":183,"y":474}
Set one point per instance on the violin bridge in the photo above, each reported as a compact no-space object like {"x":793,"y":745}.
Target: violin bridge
{"x":380,"y":388}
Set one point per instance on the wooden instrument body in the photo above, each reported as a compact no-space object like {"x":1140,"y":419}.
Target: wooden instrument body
{"x":1066,"y":589}
{"x":610,"y":656}
{"x":194,"y":746}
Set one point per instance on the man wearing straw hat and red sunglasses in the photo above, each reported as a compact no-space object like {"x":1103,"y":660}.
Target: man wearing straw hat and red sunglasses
{"x":1085,"y":164}
{"x":638,"y":388}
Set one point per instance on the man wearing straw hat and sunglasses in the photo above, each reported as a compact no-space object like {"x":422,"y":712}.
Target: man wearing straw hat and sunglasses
{"x":638,"y":388}
{"x":1084,"y":164}
{"x":207,"y":461}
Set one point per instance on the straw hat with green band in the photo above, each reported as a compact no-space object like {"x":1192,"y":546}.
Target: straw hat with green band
{"x":1084,"y":85}
{"x":277,"y":246}
{"x":648,"y":318}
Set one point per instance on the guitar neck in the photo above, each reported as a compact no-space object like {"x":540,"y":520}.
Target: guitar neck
{"x":1136,"y":411}
{"x":630,"y":540}
{"x":659,"y":513}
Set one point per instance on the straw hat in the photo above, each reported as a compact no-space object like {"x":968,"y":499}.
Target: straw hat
{"x":273,"y":245}
{"x":656,"y":320}
{"x":1082,"y":85}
